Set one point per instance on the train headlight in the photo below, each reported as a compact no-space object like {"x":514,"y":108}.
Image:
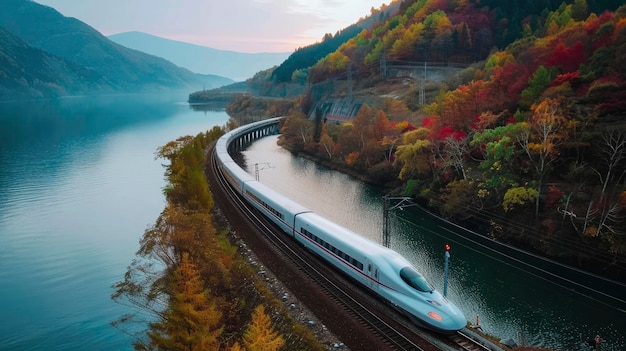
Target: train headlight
{"x":434,"y":303}
{"x":435,"y":315}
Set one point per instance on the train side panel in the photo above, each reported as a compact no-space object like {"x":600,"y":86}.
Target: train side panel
{"x":236,"y":176}
{"x":346,"y":250}
{"x":280,"y":209}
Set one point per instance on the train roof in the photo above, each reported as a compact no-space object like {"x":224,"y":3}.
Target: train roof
{"x":238,"y":172}
{"x":275,"y":198}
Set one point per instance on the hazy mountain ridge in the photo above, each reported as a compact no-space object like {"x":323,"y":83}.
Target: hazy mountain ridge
{"x":27,"y":72}
{"x":119,"y":69}
{"x":201,"y":59}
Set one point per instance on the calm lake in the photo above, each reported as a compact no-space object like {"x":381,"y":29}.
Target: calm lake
{"x":79,"y":184}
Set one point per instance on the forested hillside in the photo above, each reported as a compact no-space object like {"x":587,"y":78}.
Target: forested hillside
{"x":528,"y":144}
{"x":27,"y":72}
{"x":296,"y":66}
{"x":78,"y":59}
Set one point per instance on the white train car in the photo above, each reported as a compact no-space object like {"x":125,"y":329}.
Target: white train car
{"x":380,"y":269}
{"x":235,"y":175}
{"x":280,"y":209}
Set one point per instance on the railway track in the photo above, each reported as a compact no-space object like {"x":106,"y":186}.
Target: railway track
{"x":467,"y":343}
{"x":395,"y":337}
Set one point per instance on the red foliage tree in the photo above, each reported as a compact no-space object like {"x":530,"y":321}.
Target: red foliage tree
{"x":564,"y":78}
{"x":604,"y":30}
{"x":569,"y":59}
{"x":505,"y":87}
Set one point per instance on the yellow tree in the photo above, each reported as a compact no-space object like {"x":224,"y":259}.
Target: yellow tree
{"x":191,"y":320}
{"x":541,"y":137}
{"x":260,"y":336}
{"x":404,"y":46}
{"x":414,"y":155}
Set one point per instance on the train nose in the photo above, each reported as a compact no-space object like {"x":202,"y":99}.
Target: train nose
{"x":445,"y":322}
{"x":457,"y":321}
{"x":447,"y":316}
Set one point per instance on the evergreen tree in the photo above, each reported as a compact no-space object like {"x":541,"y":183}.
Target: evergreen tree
{"x":191,"y":321}
{"x":260,"y":336}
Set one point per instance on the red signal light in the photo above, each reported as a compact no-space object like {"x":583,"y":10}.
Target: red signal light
{"x":447,"y":247}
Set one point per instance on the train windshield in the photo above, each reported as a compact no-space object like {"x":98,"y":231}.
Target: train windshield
{"x":415,"y":280}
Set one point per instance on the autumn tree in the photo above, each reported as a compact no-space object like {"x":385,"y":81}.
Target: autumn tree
{"x":457,"y":107}
{"x":362,"y":141}
{"x":540,"y":139}
{"x":297,"y":131}
{"x":405,"y":45}
{"x":568,"y":59}
{"x":327,"y":143}
{"x":185,"y":172}
{"x":260,"y":336}
{"x":455,"y":150}
{"x":518,"y":196}
{"x":504,"y":88}
{"x":191,"y":321}
{"x":458,"y":199}
{"x":414,"y":155}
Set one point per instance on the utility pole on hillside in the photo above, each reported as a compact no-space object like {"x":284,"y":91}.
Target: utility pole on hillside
{"x":383,"y":65}
{"x":422,"y":87}
{"x":350,"y":81}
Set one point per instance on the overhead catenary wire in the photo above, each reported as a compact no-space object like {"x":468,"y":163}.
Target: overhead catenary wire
{"x":525,"y":231}
{"x":520,"y":265}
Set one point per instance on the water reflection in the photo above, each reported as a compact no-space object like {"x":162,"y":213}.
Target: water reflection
{"x":78,"y":186}
{"x":509,"y":302}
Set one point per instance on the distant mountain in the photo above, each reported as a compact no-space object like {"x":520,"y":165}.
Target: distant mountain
{"x":27,"y":72}
{"x":201,"y":59}
{"x":81,"y":60}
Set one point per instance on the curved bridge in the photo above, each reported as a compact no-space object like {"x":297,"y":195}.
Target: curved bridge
{"x":240,"y":138}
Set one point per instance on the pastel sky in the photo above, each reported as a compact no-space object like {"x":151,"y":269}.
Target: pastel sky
{"x":239,"y":25}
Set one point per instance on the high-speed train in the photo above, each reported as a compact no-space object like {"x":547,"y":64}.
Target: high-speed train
{"x":382,"y":270}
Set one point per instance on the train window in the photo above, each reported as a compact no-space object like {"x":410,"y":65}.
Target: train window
{"x":332,"y":248}
{"x":415,"y":280}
